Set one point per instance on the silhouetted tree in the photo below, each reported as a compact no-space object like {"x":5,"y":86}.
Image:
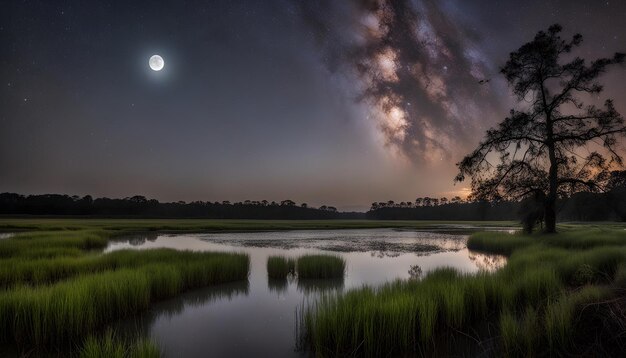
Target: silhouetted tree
{"x":537,"y":147}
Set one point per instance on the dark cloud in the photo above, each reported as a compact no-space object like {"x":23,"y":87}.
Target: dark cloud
{"x":415,"y":66}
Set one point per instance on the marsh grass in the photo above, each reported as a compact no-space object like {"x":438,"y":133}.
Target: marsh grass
{"x":545,"y":284}
{"x":620,"y":276}
{"x":320,"y":266}
{"x":56,"y":289}
{"x":403,"y":316}
{"x":559,"y":315}
{"x":573,"y":237}
{"x":497,"y":243}
{"x":109,"y":345}
{"x":278,"y":267}
{"x":52,"y":243}
{"x":59,"y":313}
{"x":43,"y":271}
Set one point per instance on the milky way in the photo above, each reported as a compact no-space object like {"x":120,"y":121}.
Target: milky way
{"x":426,"y":81}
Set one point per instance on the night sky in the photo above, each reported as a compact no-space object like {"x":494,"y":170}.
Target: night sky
{"x":324,"y":102}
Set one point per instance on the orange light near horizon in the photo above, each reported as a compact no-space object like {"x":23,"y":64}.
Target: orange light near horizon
{"x":462,"y":192}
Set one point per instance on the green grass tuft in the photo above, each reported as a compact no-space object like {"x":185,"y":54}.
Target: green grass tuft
{"x":278,"y":267}
{"x":320,"y":266}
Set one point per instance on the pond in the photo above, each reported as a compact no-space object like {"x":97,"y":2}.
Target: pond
{"x":258,"y":315}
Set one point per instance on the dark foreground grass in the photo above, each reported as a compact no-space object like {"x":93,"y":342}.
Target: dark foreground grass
{"x":537,"y":305}
{"x":320,"y":266}
{"x":278,"y":267}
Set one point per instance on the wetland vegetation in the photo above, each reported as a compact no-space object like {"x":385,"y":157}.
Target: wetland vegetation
{"x":278,"y":267}
{"x":570,"y":286}
{"x":58,"y":287}
{"x":320,"y":266}
{"x":558,"y":293}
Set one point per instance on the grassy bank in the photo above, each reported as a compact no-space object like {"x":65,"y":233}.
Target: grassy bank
{"x":58,"y":288}
{"x":45,"y":271}
{"x":556,"y":295}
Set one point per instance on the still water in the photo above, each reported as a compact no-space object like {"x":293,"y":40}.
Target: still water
{"x":257,"y":317}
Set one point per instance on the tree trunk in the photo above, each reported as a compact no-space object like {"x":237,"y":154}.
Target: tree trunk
{"x":550,"y":216}
{"x":550,"y":211}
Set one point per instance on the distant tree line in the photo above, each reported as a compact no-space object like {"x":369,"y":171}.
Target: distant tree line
{"x":581,"y":206}
{"x":140,"y":206}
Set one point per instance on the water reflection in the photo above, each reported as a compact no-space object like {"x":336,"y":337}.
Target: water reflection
{"x":277,"y":285}
{"x":168,"y":309}
{"x":203,"y":296}
{"x":137,"y":239}
{"x":317,"y":286}
{"x":487,"y":262}
{"x":280,"y":286}
{"x":258,"y":316}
